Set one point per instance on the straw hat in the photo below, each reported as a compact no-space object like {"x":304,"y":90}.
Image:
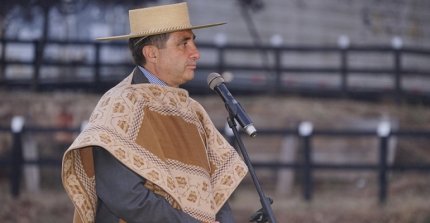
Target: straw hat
{"x":157,"y":20}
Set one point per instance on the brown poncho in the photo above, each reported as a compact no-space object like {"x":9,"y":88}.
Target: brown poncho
{"x":164,"y":136}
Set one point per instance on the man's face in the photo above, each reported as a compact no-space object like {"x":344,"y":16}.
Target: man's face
{"x":176,"y":62}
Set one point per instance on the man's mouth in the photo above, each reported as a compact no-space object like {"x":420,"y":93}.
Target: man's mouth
{"x":192,"y":66}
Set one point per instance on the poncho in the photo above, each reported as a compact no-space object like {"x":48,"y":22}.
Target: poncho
{"x":164,"y":136}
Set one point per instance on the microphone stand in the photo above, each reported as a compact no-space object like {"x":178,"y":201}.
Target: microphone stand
{"x":266,"y":212}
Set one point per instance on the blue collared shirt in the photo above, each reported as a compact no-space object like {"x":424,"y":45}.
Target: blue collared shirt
{"x":152,"y":78}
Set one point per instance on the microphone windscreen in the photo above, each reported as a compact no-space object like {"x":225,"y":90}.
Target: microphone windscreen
{"x":214,"y":79}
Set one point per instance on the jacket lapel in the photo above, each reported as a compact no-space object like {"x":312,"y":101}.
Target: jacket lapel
{"x":138,"y":77}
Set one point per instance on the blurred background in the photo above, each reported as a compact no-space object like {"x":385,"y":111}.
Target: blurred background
{"x":339,"y":91}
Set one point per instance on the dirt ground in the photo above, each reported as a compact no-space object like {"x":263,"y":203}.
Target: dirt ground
{"x":53,"y":206}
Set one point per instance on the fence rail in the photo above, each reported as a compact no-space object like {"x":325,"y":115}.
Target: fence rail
{"x":273,"y":74}
{"x":304,"y":133}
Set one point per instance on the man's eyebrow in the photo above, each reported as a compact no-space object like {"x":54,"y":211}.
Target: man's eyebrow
{"x":188,"y":38}
{"x":193,"y":36}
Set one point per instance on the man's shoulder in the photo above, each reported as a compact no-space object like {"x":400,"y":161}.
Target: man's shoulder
{"x":122,"y":92}
{"x":124,"y":87}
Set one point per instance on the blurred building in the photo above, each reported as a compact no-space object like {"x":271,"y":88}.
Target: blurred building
{"x":335,"y":23}
{"x":295,"y":21}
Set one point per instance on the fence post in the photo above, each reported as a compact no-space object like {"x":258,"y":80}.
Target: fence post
{"x":3,"y":62}
{"x":343,"y":43}
{"x":17,"y":160}
{"x":220,"y":41}
{"x":278,"y":74}
{"x":384,"y":130}
{"x":305,"y":131}
{"x":97,"y":65}
{"x":276,"y":42}
{"x":397,"y":45}
{"x":37,"y":61}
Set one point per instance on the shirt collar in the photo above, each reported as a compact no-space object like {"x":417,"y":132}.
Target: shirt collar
{"x":151,"y":77}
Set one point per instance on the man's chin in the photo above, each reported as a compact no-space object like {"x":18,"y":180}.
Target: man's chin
{"x":187,"y":78}
{"x":190,"y":76}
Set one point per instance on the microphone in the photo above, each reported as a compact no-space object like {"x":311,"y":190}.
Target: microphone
{"x":216,"y":83}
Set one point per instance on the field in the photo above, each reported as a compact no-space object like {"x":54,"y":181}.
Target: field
{"x":345,"y":197}
{"x":410,"y":205}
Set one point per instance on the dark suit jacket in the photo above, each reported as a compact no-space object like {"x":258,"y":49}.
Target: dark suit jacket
{"x":122,"y":195}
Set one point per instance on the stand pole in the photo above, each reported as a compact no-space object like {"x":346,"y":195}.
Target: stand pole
{"x":267,"y":212}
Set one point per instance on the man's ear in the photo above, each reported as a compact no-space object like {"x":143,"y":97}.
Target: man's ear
{"x":150,"y":53}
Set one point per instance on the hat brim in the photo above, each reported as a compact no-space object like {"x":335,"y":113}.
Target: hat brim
{"x":156,"y":32}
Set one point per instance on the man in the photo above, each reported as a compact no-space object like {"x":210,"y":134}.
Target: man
{"x":150,"y":153}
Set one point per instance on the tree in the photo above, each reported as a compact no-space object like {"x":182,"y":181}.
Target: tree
{"x":11,"y":9}
{"x":24,"y":10}
{"x":8,"y":9}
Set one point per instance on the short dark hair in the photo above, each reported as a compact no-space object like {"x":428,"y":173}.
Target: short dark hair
{"x":136,"y":45}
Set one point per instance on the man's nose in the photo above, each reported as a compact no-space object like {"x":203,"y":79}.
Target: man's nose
{"x":195,"y":54}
